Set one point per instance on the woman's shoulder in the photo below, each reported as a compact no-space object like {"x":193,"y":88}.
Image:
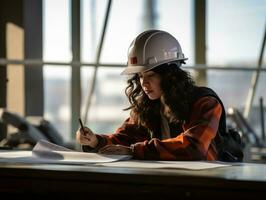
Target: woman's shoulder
{"x":209,"y":101}
{"x":199,"y":92}
{"x":205,"y":94}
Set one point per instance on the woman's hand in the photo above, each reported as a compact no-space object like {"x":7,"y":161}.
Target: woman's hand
{"x":116,"y":149}
{"x":87,"y":138}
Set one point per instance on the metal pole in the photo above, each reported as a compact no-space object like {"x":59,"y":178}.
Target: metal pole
{"x":75,"y":75}
{"x":99,"y":51}
{"x":200,"y":40}
{"x":254,"y":80}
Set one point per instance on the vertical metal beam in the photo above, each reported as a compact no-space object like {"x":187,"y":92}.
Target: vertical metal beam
{"x":254,"y":79}
{"x":200,"y":39}
{"x":34,"y":91}
{"x":75,"y":78}
{"x":99,"y":51}
{"x":3,"y":69}
{"x":3,"y":75}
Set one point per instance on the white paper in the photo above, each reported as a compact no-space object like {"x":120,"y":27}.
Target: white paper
{"x":43,"y":145}
{"x":189,"y":165}
{"x":46,"y":152}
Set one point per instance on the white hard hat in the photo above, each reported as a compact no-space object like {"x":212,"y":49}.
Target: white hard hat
{"x":151,"y":49}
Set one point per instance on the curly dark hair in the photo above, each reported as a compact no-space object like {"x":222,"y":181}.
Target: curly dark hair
{"x":177,"y":87}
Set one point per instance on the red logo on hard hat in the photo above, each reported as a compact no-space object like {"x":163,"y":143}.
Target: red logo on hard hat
{"x":133,"y":60}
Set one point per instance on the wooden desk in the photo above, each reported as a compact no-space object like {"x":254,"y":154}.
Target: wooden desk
{"x":63,"y":181}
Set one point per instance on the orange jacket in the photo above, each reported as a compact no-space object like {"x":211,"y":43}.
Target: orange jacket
{"x":194,"y":142}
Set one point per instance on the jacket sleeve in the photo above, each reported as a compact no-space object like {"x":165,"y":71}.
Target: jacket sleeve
{"x":129,"y":133}
{"x":193,"y":143}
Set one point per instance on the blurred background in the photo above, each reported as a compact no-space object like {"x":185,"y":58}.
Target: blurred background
{"x":62,"y":59}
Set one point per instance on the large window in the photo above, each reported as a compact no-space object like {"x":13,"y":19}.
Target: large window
{"x":235,"y":31}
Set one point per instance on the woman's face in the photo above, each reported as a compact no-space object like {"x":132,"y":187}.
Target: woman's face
{"x":150,"y":83}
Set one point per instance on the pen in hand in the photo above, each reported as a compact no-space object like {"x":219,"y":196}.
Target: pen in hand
{"x":88,"y":137}
{"x":81,"y":125}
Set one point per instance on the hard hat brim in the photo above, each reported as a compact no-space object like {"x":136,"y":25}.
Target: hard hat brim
{"x":134,"y":69}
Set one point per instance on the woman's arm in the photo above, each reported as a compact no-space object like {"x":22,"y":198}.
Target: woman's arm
{"x":193,"y":143}
{"x":129,"y":133}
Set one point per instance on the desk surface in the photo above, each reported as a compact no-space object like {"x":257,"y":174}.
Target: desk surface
{"x":246,"y":181}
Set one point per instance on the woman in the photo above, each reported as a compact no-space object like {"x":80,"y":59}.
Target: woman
{"x":170,"y":118}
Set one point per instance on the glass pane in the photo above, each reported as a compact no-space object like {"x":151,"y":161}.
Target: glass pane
{"x":231,"y":86}
{"x":56,"y":30}
{"x":86,"y":82}
{"x":235,"y":31}
{"x":106,"y":111}
{"x":57,"y":98}
{"x":176,"y":18}
{"x":125,"y":23}
{"x":92,"y":18}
